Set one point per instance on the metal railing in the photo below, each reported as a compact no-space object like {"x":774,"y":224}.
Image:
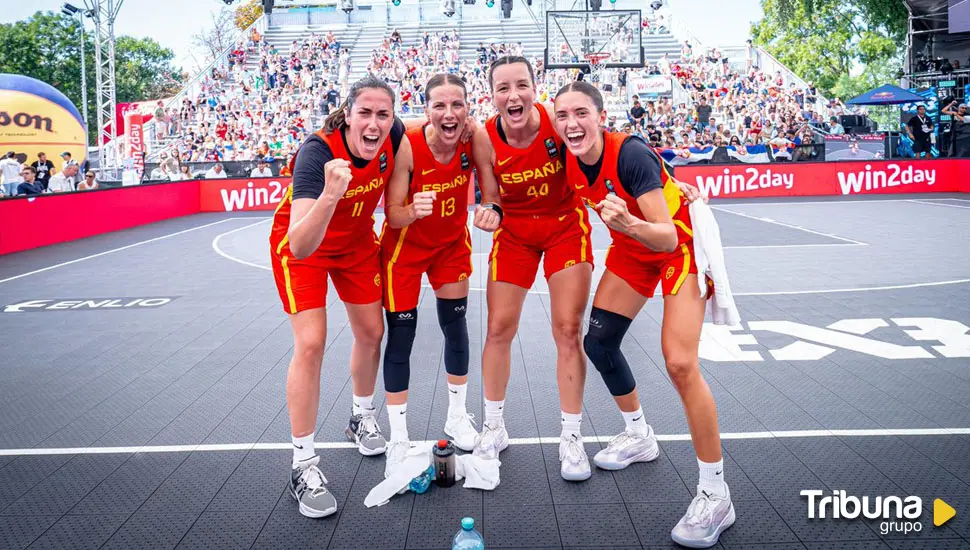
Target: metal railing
{"x":769,"y":64}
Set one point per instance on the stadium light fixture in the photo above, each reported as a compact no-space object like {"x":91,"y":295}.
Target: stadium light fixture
{"x":347,"y":5}
{"x":490,"y":3}
{"x":448,"y":7}
{"x":69,"y":9}
{"x":396,"y":2}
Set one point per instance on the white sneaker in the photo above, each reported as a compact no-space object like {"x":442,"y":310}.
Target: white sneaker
{"x":626,"y":448}
{"x":572,"y":455}
{"x":491,"y":442}
{"x":461,"y":429}
{"x":707,"y":517}
{"x":397,"y":451}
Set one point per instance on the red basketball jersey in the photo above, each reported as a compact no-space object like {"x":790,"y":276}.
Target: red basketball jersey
{"x":608,"y":180}
{"x":353,"y":219}
{"x":532,"y":180}
{"x":450,"y":183}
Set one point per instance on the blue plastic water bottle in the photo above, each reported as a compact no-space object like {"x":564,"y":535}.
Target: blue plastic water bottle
{"x":421,"y":483}
{"x":468,"y":538}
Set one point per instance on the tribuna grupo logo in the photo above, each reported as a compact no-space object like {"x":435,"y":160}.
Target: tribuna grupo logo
{"x":898,"y":514}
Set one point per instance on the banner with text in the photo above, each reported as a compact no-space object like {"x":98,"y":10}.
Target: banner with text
{"x":241,"y":194}
{"x":822,"y":179}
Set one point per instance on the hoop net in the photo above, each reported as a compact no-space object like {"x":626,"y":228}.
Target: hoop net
{"x":596,"y":62}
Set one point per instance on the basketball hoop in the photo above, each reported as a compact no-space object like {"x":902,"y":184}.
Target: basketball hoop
{"x":597,"y":58}
{"x":596,"y":62}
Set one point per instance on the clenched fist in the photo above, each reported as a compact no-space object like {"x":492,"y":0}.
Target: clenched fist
{"x":615,"y":214}
{"x":337,"y":177}
{"x":487,"y":219}
{"x":423,"y":204}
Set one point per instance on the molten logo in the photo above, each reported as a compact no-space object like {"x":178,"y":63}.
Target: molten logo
{"x":462,"y":277}
{"x":569,"y":264}
{"x":377,"y":279}
{"x":670,"y":272}
{"x":26,"y":120}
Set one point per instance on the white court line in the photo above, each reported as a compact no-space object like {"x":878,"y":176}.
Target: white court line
{"x":941,"y":204}
{"x":48,"y":268}
{"x":776,"y":293}
{"x":512,"y":441}
{"x":215,"y":245}
{"x":769,"y":220}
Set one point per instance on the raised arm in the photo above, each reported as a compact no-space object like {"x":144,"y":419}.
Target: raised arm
{"x":399,"y":212}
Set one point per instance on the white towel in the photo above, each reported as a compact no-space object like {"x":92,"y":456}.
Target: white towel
{"x":709,"y":258}
{"x":478,"y":473}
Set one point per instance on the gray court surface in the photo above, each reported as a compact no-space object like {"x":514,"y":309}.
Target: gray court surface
{"x":850,"y":371}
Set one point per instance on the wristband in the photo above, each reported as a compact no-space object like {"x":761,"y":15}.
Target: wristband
{"x":495,"y":208}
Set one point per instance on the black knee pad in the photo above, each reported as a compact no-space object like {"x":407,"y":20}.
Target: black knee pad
{"x":451,"y":318}
{"x":602,"y":345}
{"x":401,"y":327}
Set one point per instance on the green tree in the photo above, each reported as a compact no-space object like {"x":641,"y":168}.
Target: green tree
{"x":46,"y":46}
{"x":825,"y":41}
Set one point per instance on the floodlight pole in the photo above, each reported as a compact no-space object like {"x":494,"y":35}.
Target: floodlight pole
{"x":104,"y":12}
{"x":84,"y":78}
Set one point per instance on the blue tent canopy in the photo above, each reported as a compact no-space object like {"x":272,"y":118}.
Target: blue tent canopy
{"x":886,"y":95}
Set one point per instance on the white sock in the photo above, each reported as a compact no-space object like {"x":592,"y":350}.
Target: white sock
{"x":571,"y":423}
{"x":364,"y":405}
{"x":302,"y":448}
{"x":493,"y":413}
{"x":712,"y":476}
{"x":635,"y":422}
{"x":456,"y":399}
{"x":398,"y":417}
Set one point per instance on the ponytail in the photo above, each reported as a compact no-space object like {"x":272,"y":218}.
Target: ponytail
{"x":337,"y":120}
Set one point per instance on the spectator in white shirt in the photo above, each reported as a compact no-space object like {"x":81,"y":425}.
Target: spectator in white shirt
{"x":88,"y":183}
{"x":216,"y":172}
{"x":183,"y":173}
{"x":63,"y":181}
{"x":262,"y":170}
{"x":10,"y":176}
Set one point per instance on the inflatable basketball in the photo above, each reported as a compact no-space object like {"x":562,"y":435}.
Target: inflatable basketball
{"x":35,"y":118}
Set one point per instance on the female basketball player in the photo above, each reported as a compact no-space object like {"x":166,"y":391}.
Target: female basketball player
{"x":650,"y":224}
{"x":324,"y":228}
{"x":426,"y":232}
{"x":543,"y":220}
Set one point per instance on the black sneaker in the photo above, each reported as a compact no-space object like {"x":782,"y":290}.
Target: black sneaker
{"x":309,"y":487}
{"x":366,"y":433}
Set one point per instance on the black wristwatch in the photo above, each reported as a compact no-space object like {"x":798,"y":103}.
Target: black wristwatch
{"x":495,"y":208}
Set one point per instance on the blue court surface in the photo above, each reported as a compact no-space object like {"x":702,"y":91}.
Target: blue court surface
{"x":149,"y":411}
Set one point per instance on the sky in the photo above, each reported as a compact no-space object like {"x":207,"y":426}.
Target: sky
{"x":172,"y":23}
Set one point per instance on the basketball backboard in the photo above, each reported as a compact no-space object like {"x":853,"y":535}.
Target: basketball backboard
{"x":580,"y":39}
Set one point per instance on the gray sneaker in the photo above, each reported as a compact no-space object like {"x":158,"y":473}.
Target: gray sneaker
{"x":309,"y":487}
{"x":707,"y":517}
{"x":627,"y":448}
{"x":366,"y":433}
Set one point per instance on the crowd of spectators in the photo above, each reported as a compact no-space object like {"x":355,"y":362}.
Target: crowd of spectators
{"x":264,"y":109}
{"x":247,"y":111}
{"x":19,"y":176}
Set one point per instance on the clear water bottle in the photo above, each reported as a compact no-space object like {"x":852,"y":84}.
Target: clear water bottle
{"x":468,"y":538}
{"x":421,"y":483}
